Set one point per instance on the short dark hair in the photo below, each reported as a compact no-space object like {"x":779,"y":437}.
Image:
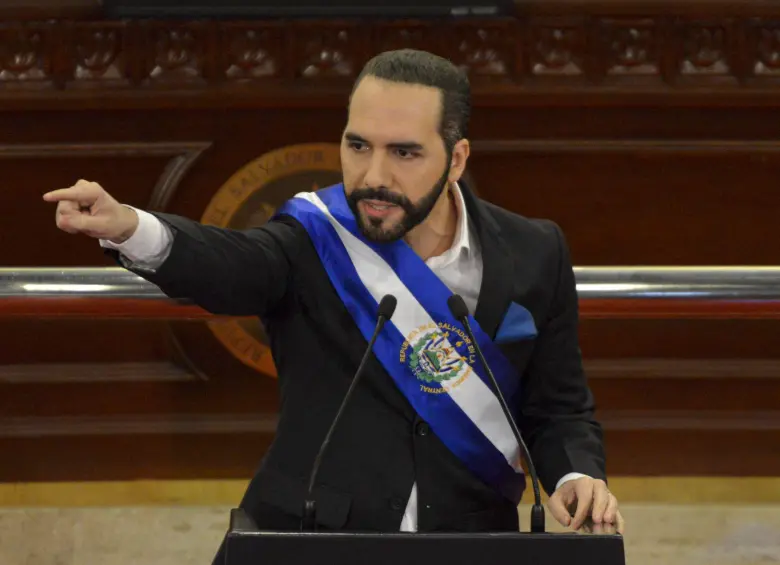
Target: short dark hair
{"x":412,"y":66}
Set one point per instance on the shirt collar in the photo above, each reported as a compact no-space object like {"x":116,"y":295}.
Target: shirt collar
{"x":461,"y":243}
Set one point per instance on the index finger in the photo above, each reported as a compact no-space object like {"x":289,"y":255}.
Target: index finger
{"x":584,"y":500}
{"x":558,"y":510}
{"x":72,"y":193}
{"x":82,"y":191}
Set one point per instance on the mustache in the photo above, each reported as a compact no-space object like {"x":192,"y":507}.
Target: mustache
{"x":382,"y":195}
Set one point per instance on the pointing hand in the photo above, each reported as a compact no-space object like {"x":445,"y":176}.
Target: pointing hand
{"x":87,"y":208}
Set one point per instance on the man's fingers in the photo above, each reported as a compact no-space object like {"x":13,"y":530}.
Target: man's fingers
{"x":558,"y":510}
{"x":77,"y":223}
{"x":65,"y":207}
{"x":68,"y":229}
{"x":601,"y":497}
{"x":600,"y":529}
{"x":621,"y":524}
{"x":610,"y":514}
{"x":83,"y":192}
{"x":584,"y":490}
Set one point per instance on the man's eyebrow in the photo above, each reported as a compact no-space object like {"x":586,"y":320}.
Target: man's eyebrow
{"x":405,"y":145}
{"x":349,"y":136}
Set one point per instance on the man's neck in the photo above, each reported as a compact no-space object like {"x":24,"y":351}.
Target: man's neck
{"x":435,"y":235}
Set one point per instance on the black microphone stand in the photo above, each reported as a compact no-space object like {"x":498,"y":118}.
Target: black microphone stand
{"x":459,"y":310}
{"x":309,"y":522}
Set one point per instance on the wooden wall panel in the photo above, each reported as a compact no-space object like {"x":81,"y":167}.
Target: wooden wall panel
{"x":646,"y":129}
{"x":143,"y":174}
{"x":653,"y":202}
{"x":27,"y":342}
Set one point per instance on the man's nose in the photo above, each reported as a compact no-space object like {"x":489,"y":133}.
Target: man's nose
{"x":377,"y":174}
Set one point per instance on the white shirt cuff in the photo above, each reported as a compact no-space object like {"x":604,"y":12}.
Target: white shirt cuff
{"x":568,"y":477}
{"x":149,"y":246}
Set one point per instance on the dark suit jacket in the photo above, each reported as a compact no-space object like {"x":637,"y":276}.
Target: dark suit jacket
{"x":381,"y":446}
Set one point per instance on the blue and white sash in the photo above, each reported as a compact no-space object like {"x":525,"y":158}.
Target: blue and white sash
{"x":423,"y":348}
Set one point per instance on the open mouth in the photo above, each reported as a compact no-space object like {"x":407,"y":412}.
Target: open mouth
{"x":377,"y":208}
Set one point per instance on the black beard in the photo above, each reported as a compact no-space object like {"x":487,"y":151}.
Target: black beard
{"x":371,"y":228}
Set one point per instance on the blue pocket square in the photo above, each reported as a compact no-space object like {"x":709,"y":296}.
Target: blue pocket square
{"x":518,"y":323}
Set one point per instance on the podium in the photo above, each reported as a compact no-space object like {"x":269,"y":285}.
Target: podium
{"x":246,"y":545}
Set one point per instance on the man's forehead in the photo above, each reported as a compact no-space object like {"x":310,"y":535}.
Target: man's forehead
{"x":393,"y":110}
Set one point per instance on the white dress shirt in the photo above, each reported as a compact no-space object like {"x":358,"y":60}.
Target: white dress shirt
{"x":460,"y":268}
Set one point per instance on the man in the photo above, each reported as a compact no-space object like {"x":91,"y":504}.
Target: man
{"x":423,"y":445}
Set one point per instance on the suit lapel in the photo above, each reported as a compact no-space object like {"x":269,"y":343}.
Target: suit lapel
{"x":497,"y":269}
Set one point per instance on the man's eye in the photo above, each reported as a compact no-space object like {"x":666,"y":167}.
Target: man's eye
{"x":357,"y":146}
{"x":405,"y":154}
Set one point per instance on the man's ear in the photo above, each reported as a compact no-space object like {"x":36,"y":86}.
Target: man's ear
{"x":460,"y":155}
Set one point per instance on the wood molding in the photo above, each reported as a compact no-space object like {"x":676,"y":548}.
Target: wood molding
{"x":631,"y":368}
{"x":556,"y":54}
{"x":697,"y":8}
{"x":142,"y":424}
{"x":45,"y":9}
{"x":185,"y":424}
{"x":174,"y":172}
{"x":654,"y":368}
{"x":694,"y":147}
{"x":689,"y":420}
{"x":96,"y":494}
{"x":94,"y":373}
{"x":183,"y":155}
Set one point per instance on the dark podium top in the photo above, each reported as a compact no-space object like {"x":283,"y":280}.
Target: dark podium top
{"x":246,"y":545}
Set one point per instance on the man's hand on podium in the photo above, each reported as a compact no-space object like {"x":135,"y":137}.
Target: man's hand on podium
{"x":587,"y":504}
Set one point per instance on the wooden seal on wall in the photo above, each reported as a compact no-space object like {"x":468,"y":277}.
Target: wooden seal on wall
{"x":248,"y":199}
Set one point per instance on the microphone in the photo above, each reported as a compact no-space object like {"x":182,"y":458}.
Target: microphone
{"x":384,"y":313}
{"x":461,"y":313}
